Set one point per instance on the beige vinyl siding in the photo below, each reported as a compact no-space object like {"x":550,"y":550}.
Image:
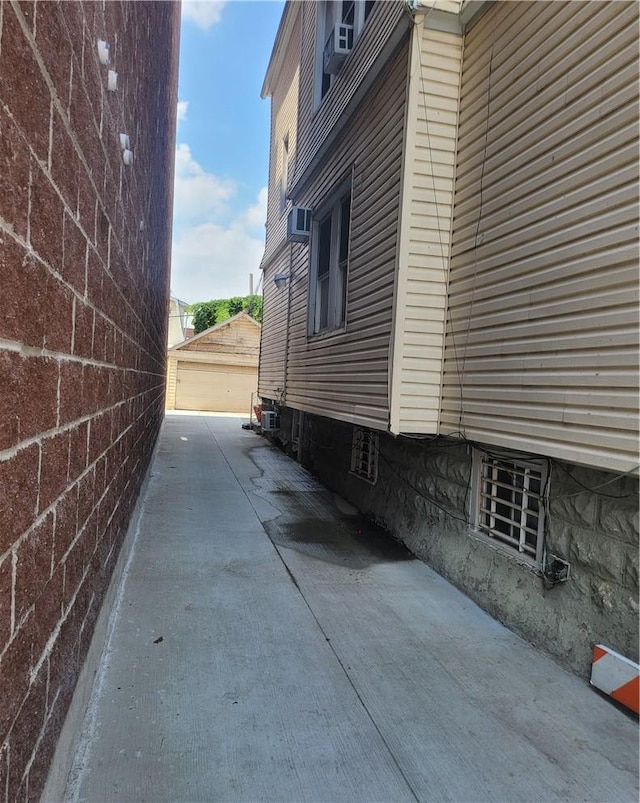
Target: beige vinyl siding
{"x":316,"y":124}
{"x":427,"y":206}
{"x":170,"y":398}
{"x":542,"y":338}
{"x":242,"y":336}
{"x":276,"y":259}
{"x":344,"y":374}
{"x":273,"y":344}
{"x":284,"y":122}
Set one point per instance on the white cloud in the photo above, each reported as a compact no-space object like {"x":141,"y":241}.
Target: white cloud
{"x":203,"y":13}
{"x":214,"y":247}
{"x":198,"y":194}
{"x":183,"y":105}
{"x":256,"y":215}
{"x":212,"y":261}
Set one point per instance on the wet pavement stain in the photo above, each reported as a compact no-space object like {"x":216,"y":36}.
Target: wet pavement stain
{"x":354,"y":544}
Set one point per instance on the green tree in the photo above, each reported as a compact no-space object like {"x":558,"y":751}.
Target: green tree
{"x":236,"y":305}
{"x":204,"y":315}
{"x":253,"y":305}
{"x":208,"y":313}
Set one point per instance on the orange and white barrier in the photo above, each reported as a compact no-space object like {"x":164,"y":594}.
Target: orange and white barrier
{"x":616,"y":676}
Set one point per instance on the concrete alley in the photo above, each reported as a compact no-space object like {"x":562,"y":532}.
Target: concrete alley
{"x":267,"y":644}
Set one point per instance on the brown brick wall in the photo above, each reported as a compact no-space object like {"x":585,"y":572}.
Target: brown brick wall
{"x":84,"y":260}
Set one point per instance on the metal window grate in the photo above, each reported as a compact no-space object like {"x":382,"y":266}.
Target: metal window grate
{"x":364,"y":454}
{"x":511,"y":506}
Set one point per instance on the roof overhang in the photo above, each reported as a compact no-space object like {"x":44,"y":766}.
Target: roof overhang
{"x":283,"y":35}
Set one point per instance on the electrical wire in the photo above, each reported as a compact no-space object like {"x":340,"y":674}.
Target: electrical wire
{"x":595,"y":490}
{"x":444,"y":256}
{"x":431,"y":500}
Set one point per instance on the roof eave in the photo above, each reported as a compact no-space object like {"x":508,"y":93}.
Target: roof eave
{"x":279,"y":48}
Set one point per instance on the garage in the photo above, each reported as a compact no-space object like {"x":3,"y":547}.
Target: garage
{"x":216,"y":370}
{"x":219,"y":388}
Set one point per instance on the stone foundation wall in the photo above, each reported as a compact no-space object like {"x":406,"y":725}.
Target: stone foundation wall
{"x":422,"y":497}
{"x":84,"y":262}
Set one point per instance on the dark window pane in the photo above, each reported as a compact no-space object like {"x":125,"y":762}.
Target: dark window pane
{"x":326,"y":83}
{"x":348,"y":11}
{"x":367,"y":7}
{"x":324,"y":246}
{"x":323,"y":302}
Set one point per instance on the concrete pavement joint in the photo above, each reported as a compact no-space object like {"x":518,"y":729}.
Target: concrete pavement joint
{"x":320,"y":627}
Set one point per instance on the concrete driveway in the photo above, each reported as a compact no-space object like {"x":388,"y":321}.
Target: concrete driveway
{"x":268,"y":645}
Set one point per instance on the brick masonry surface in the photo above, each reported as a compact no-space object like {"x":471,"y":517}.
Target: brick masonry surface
{"x":84,"y":262}
{"x":422,"y":497}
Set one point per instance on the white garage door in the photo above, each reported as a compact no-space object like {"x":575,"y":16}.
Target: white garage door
{"x":218,"y":388}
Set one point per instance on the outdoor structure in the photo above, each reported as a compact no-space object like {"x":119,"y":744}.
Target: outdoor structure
{"x":216,"y":370}
{"x":178,"y":317}
{"x":85,"y":221}
{"x":450,"y":322}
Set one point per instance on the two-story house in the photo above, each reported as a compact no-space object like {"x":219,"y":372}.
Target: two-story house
{"x":450,"y":331}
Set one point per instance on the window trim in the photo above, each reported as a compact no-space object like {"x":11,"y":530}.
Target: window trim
{"x":337,"y":290}
{"x":504,"y":544}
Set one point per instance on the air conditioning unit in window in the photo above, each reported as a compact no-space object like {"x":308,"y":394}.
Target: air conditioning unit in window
{"x":298,"y":224}
{"x":270,"y":421}
{"x":338,"y":47}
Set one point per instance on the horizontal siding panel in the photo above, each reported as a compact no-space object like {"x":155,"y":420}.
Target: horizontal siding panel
{"x":284,"y":121}
{"x":549,"y":179}
{"x":541,"y":348}
{"x":426,"y":221}
{"x":315,"y":126}
{"x":591,"y":398}
{"x":344,"y":374}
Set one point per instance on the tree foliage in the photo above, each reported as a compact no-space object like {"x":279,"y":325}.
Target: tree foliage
{"x":208,"y":313}
{"x":204,"y":316}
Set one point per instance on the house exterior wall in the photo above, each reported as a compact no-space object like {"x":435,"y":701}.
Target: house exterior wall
{"x":318,"y":124}
{"x":425,"y":229}
{"x":344,"y":373}
{"x":83,"y":332}
{"x":523,"y":185}
{"x":542,"y":337}
{"x":422,"y":497}
{"x":284,"y":122}
{"x":172,"y":382}
{"x":277,"y":255}
{"x":275,"y":324}
{"x":178,"y":314}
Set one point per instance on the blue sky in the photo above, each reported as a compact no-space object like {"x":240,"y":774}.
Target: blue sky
{"x":222,"y":152}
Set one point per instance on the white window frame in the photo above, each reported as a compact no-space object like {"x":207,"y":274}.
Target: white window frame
{"x":328,"y":14}
{"x":337,"y":280}
{"x":364,"y":454}
{"x":492,"y":499}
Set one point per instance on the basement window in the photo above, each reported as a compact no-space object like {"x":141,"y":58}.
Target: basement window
{"x":364,"y":454}
{"x":509,"y":503}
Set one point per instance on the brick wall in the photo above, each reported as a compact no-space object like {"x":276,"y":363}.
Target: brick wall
{"x":422,"y":496}
{"x":84,"y":259}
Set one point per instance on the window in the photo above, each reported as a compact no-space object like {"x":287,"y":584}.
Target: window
{"x":329,"y":262}
{"x":284,"y":173}
{"x":353,"y":13}
{"x":364,"y":454}
{"x":509,"y":505}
